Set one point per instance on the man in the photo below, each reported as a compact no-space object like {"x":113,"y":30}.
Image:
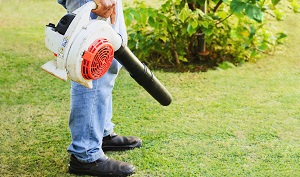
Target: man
{"x":91,"y":109}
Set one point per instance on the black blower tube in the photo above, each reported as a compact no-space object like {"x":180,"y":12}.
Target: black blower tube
{"x":142,"y":75}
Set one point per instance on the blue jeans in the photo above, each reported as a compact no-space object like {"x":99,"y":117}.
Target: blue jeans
{"x":91,"y":109}
{"x":90,"y":118}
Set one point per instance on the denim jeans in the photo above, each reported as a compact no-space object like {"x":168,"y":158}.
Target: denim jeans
{"x":91,"y":109}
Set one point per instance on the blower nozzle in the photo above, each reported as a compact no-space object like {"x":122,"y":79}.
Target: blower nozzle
{"x":142,"y":75}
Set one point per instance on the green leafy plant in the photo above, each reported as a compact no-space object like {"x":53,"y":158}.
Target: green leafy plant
{"x":202,"y":32}
{"x":295,"y":6}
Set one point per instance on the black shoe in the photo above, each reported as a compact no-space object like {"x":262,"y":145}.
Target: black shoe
{"x":114,"y":142}
{"x":102,"y":168}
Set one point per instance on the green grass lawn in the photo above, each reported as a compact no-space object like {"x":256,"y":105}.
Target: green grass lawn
{"x":238,"y":122}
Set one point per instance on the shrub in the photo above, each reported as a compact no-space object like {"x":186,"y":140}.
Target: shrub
{"x":184,"y":32}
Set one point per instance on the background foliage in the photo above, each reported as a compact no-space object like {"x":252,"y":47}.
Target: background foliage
{"x":234,"y":31}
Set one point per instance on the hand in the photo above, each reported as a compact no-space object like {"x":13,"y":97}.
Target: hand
{"x":106,"y":9}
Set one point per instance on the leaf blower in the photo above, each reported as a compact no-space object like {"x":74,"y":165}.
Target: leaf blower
{"x":84,"y":49}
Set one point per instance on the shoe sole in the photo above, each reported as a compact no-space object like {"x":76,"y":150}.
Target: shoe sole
{"x":122,"y":148}
{"x":81,"y":173}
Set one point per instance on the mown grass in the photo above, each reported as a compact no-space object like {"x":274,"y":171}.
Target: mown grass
{"x":239,"y":122}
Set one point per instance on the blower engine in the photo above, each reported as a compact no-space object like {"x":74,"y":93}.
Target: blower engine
{"x":84,"y":50}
